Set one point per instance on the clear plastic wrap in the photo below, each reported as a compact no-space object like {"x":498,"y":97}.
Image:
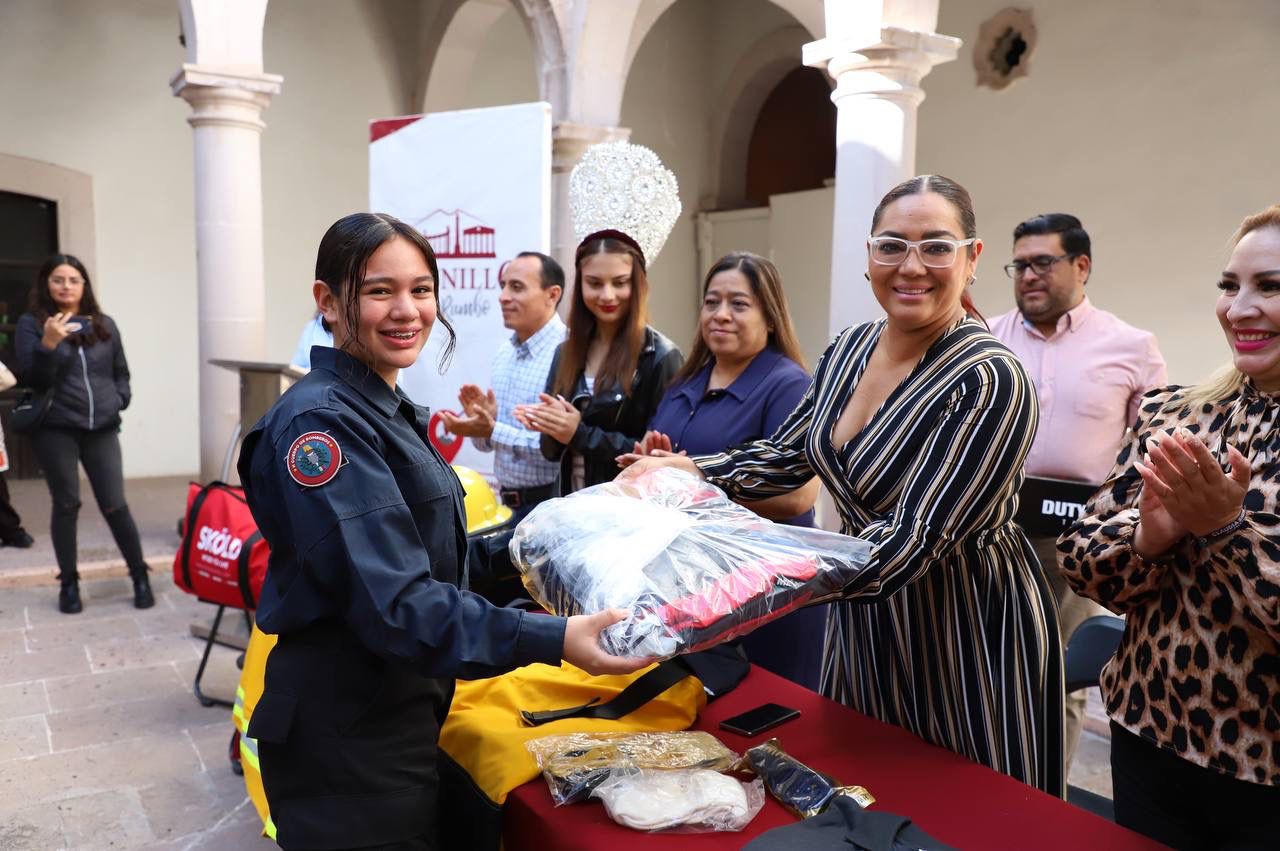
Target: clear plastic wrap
{"x":795,"y":785}
{"x":576,"y":763}
{"x":692,"y":568}
{"x":696,"y":800}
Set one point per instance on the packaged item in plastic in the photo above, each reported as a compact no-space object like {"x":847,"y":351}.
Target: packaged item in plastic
{"x":692,"y":568}
{"x":575,"y":764}
{"x":795,"y":785}
{"x":694,"y":800}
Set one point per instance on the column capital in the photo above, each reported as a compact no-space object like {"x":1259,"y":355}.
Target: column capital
{"x":910,"y":45}
{"x":570,"y":139}
{"x":225,"y":98}
{"x":898,"y":60}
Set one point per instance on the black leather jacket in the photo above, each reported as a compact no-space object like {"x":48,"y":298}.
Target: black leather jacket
{"x":613,"y":422}
{"x":93,"y":379}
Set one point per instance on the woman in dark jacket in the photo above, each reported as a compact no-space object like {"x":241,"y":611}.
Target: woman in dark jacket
{"x":366,"y":584}
{"x":609,"y":374}
{"x":63,"y":342}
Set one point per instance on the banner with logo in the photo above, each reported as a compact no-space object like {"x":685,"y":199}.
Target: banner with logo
{"x":477,"y":183}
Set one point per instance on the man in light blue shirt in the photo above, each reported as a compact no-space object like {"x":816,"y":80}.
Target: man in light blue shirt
{"x":531,"y":286}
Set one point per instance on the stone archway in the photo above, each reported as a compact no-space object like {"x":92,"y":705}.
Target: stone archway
{"x":450,"y":48}
{"x":761,"y":68}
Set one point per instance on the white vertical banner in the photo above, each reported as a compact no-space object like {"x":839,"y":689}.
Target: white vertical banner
{"x":477,"y":184}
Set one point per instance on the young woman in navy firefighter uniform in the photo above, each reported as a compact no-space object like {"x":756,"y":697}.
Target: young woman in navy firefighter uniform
{"x":368,"y":559}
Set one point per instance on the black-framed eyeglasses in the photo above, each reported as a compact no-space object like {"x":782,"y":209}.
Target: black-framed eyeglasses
{"x":934,"y":253}
{"x":1042,"y":263}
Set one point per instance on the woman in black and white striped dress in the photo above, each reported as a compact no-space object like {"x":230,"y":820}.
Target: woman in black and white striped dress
{"x":918,"y":424}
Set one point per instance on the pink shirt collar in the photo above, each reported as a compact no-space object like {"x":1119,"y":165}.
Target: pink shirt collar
{"x":1072,"y":320}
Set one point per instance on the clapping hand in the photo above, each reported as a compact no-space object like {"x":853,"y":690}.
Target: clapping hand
{"x":470,"y":396}
{"x":552,"y":416}
{"x":1189,"y":490}
{"x":480,"y":411}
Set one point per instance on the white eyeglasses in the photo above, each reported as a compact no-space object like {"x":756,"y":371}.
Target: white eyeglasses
{"x":934,"y":253}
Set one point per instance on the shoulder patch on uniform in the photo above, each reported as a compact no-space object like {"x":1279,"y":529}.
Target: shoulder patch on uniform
{"x":314,"y":459}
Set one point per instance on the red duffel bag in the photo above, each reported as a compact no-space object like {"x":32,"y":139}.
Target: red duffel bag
{"x":223,"y":557}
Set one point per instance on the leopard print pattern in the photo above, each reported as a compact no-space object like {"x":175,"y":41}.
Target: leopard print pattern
{"x":1198,"y":669}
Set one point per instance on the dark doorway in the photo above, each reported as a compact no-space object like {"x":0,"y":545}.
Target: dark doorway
{"x":793,"y":145}
{"x":28,"y":234}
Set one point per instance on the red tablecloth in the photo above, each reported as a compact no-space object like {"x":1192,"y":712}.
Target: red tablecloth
{"x":956,"y":801}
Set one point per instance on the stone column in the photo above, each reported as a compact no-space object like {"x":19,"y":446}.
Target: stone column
{"x":568,"y":142}
{"x":226,"y":116}
{"x":876,"y":96}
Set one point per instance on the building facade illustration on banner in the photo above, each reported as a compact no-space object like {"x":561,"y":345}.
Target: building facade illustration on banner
{"x":457,"y":241}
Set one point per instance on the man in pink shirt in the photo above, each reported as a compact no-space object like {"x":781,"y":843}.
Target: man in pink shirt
{"x":1090,"y":370}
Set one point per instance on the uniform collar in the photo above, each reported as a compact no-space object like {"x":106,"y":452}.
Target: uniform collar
{"x":364,"y":380}
{"x":742,"y":386}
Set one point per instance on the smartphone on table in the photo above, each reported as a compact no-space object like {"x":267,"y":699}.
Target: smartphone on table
{"x":756,"y":721}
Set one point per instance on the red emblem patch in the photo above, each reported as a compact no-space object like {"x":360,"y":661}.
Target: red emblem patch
{"x":314,"y":459}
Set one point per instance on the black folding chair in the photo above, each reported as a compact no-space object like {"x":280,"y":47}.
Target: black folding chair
{"x":1092,"y":644}
{"x":204,"y":699}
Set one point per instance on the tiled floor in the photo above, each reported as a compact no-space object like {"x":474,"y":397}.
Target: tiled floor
{"x":102,"y":744}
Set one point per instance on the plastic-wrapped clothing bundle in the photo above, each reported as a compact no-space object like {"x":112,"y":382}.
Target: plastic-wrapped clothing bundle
{"x":692,"y":568}
{"x":694,"y":800}
{"x":577,"y":763}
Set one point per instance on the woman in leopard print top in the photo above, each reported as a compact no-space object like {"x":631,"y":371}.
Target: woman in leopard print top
{"x":1184,"y":540}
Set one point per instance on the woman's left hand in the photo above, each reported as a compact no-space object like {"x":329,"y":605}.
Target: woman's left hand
{"x":552,"y":416}
{"x":1192,"y":485}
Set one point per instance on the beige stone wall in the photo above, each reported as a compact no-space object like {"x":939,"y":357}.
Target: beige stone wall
{"x":1155,"y":121}
{"x":504,"y":71}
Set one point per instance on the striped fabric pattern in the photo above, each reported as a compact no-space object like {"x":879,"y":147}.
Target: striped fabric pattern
{"x":952,"y":632}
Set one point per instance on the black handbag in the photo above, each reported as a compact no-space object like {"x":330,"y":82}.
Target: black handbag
{"x":33,"y":406}
{"x":30,"y":411}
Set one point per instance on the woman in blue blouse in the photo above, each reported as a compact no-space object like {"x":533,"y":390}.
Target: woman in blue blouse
{"x":743,"y":377}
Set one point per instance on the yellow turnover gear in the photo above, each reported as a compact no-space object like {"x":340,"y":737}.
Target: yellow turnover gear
{"x":484,"y":513}
{"x":485,"y":735}
{"x":247,"y":694}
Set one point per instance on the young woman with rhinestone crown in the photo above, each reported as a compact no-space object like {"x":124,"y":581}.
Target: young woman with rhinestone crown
{"x":609,"y":375}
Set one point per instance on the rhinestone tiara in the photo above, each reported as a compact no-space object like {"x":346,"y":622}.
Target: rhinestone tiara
{"x":621,"y":186}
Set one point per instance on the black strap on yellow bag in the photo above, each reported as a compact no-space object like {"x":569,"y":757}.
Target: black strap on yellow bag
{"x":720,"y":669}
{"x":631,"y":698}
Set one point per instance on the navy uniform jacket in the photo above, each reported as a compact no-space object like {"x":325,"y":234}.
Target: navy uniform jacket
{"x":368,"y":556}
